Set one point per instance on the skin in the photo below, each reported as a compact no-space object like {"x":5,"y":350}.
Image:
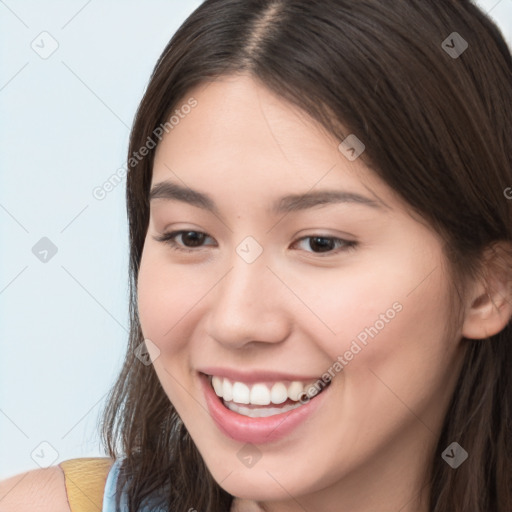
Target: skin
{"x":43,"y":490}
{"x":297,"y":310}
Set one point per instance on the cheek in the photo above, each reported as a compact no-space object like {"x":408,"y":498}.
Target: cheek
{"x":162,"y":298}
{"x":359,"y":303}
{"x":170,"y":297}
{"x":391,"y":316}
{"x":407,"y":365}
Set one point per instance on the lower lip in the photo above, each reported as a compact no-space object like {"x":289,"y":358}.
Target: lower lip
{"x":256,"y":430}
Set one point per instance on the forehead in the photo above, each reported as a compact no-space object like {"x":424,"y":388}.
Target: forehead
{"x":236,"y":115}
{"x":240,"y":135}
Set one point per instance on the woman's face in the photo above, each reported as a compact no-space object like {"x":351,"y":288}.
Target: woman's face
{"x":280,"y":279}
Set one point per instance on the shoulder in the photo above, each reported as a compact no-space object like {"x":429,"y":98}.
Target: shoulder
{"x":41,"y":489}
{"x":46,"y":489}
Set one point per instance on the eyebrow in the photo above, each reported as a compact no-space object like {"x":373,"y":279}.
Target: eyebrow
{"x":287,"y":204}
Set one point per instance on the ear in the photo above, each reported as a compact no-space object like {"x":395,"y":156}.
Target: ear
{"x":489,"y":302}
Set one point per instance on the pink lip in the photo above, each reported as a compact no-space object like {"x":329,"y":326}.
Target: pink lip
{"x":255,"y":375}
{"x":256,"y":430}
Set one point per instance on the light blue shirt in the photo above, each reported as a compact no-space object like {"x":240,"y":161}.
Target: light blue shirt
{"x":109,"y":496}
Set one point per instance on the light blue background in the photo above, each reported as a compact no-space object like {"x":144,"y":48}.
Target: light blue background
{"x":64,"y":131}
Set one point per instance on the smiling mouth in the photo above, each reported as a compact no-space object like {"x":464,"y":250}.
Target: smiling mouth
{"x":264,"y":399}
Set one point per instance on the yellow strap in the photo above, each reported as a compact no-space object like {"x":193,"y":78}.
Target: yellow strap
{"x":85,"y":482}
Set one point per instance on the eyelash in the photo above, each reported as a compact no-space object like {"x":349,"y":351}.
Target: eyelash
{"x":168,"y":238}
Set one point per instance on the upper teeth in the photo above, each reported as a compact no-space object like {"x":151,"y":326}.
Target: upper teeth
{"x":259,"y":393}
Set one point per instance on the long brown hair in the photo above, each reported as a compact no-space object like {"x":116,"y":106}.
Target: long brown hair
{"x":437,"y":129}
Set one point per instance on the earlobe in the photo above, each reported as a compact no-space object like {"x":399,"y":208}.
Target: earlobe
{"x":489,"y":308}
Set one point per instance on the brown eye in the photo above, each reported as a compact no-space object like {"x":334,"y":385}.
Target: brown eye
{"x":321,"y":244}
{"x":192,"y":238}
{"x":184,"y":240}
{"x":325,"y":244}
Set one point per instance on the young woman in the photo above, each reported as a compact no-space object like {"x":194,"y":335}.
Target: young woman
{"x":321,"y":228}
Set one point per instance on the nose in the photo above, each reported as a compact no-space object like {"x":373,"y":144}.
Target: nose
{"x":249,"y":306}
